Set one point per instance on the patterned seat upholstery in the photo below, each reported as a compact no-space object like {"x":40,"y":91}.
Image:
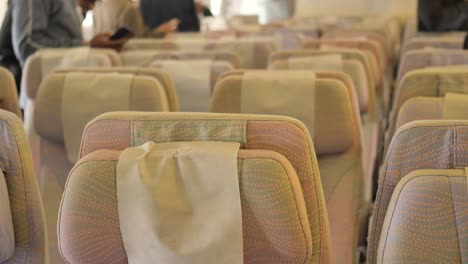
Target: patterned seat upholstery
{"x":52,"y":117}
{"x":160,"y":75}
{"x":8,"y":93}
{"x":418,"y":59}
{"x":338,"y":147}
{"x":427,"y":82}
{"x":287,"y":137}
{"x":142,"y":58}
{"x":417,"y":145}
{"x":20,"y":202}
{"x":427,"y":219}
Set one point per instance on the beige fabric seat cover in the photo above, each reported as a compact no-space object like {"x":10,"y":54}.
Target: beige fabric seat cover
{"x":417,"y":59}
{"x":417,"y":145}
{"x":194,"y":81}
{"x":143,"y":58}
{"x":450,"y":107}
{"x":8,"y":93}
{"x":59,"y":122}
{"x":335,"y":143}
{"x":286,"y":136}
{"x":185,"y":199}
{"x":44,"y":62}
{"x":440,"y":198}
{"x":346,"y":54}
{"x":20,"y":202}
{"x":428,"y":82}
{"x":160,"y":75}
{"x":447,"y":42}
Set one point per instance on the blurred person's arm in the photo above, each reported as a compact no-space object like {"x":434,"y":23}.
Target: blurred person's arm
{"x":30,"y":28}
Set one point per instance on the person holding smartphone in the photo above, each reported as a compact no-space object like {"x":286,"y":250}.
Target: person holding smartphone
{"x":40,"y":24}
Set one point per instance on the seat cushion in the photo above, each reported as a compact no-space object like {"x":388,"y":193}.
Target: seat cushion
{"x":7,"y":237}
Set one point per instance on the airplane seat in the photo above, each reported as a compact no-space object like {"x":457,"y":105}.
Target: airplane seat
{"x":46,"y":61}
{"x":284,"y":135}
{"x":426,"y":82}
{"x":22,"y":238}
{"x":162,"y":76}
{"x":428,"y":207}
{"x":337,"y":143}
{"x":428,"y":145}
{"x":143,"y":58}
{"x":65,"y":103}
{"x":194,"y":80}
{"x":9,"y":93}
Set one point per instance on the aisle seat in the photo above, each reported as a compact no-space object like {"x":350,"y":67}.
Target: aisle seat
{"x":337,"y":143}
{"x":65,"y":103}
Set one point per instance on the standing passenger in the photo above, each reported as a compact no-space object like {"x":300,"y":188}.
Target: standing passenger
{"x":51,"y":24}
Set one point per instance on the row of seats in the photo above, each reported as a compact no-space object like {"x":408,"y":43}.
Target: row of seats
{"x":306,"y":185}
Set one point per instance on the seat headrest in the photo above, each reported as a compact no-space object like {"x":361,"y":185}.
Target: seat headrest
{"x":146,"y":57}
{"x":46,"y":61}
{"x":334,"y":129}
{"x":7,"y":236}
{"x":437,"y":196}
{"x":259,"y":172}
{"x":451,"y":107}
{"x":417,"y":145}
{"x":159,"y":74}
{"x":287,"y":136}
{"x":128,"y":92}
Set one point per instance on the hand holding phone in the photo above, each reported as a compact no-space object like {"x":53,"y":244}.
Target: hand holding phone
{"x":122,"y":33}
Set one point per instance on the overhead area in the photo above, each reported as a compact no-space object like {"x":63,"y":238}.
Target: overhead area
{"x":233,"y":131}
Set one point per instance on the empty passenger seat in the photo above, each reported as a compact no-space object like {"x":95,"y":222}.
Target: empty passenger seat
{"x":427,"y":219}
{"x":266,"y":134}
{"x":65,"y":104}
{"x":159,"y":75}
{"x":330,"y":111}
{"x":22,"y":238}
{"x":419,"y":145}
{"x":8,"y":93}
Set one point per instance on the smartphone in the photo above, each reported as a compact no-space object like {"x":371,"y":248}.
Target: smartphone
{"x":122,"y":33}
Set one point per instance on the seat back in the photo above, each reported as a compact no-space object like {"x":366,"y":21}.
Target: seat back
{"x":253,"y":132}
{"x":8,"y":93}
{"x":346,"y":54}
{"x":377,"y":59}
{"x":337,"y":142}
{"x":418,"y":59}
{"x":143,"y":58}
{"x":258,"y":171}
{"x":440,"y":198}
{"x":449,"y":42}
{"x":451,"y":107}
{"x":253,"y":53}
{"x":21,"y":214}
{"x":194,"y":81}
{"x":356,"y":73}
{"x":428,"y":82}
{"x":417,"y":145}
{"x":60,"y":119}
{"x":160,"y":75}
